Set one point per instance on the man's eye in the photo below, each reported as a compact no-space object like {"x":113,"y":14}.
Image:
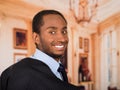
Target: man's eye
{"x":52,"y":32}
{"x":64,"y":32}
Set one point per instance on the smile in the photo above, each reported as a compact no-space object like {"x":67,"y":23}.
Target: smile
{"x":59,"y":46}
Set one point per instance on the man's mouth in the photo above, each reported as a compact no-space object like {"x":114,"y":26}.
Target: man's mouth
{"x":60,"y":46}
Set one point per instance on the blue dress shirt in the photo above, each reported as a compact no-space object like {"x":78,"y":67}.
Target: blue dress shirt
{"x":52,"y":63}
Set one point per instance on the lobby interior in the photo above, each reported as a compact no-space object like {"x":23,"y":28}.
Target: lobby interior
{"x":93,"y":30}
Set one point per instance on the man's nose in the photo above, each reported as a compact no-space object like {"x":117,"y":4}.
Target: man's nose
{"x":62,"y":37}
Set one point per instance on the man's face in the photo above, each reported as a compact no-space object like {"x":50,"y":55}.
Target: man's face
{"x":53,"y":37}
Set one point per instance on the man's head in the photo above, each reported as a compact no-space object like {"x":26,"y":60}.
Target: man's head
{"x":50,"y":33}
{"x":38,"y":19}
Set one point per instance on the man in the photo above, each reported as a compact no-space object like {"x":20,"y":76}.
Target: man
{"x":41,"y":71}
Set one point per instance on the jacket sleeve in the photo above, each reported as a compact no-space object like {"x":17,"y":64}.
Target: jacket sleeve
{"x":10,"y":81}
{"x":3,"y":79}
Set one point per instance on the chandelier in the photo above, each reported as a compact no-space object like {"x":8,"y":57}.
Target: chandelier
{"x":83,"y":10}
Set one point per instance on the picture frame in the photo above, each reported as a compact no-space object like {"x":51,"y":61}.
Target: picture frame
{"x":80,"y":42}
{"x":86,"y":45}
{"x":83,"y":61}
{"x":82,"y":56}
{"x":20,"y":38}
{"x":19,"y":56}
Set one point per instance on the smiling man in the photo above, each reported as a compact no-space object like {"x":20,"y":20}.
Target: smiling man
{"x":52,"y":38}
{"x":41,"y":71}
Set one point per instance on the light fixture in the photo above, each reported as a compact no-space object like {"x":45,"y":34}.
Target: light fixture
{"x":83,"y":10}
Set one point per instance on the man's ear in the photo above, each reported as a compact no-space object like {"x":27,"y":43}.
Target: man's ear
{"x":36,"y":38}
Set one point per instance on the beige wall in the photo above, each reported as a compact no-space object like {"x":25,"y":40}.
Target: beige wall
{"x":6,"y":40}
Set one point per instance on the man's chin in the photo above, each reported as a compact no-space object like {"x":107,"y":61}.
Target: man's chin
{"x":55,"y":56}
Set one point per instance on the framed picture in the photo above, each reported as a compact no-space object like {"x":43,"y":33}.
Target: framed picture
{"x":86,"y":45}
{"x":83,"y":67}
{"x":19,"y":56}
{"x":80,"y":42}
{"x":20,"y":38}
{"x":82,"y":57}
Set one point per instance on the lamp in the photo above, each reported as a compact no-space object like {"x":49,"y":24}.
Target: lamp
{"x":83,"y":10}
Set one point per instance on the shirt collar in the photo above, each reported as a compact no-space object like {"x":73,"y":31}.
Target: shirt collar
{"x":52,"y":63}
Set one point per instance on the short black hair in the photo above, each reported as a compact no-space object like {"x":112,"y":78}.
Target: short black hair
{"x":38,"y":19}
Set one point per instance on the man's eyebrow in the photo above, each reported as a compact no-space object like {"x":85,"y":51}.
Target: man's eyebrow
{"x":65,"y":27}
{"x":51,"y":27}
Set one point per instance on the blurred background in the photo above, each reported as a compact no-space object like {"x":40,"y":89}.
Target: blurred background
{"x":94,"y":34}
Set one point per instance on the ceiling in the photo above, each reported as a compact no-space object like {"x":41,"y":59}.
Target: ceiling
{"x":28,"y":8}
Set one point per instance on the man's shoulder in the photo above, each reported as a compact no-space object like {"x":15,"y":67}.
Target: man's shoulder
{"x":22,"y":66}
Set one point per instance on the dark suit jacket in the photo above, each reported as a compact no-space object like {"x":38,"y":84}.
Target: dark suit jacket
{"x":30,"y":74}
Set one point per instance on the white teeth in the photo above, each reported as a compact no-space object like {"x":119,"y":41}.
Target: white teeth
{"x":59,"y":46}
